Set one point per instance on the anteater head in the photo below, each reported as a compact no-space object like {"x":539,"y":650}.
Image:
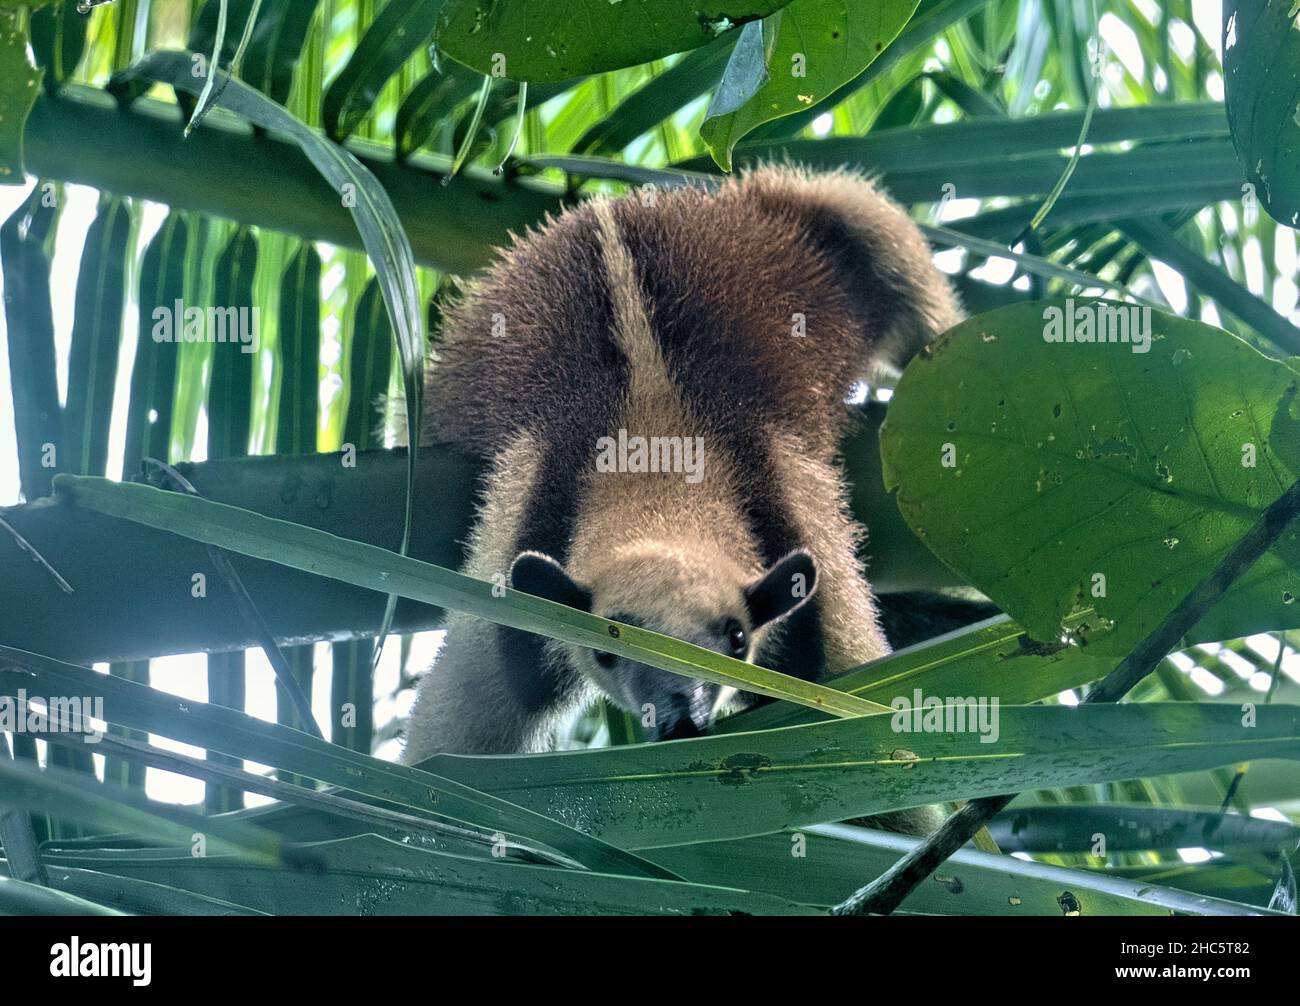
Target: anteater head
{"x":685,"y":592}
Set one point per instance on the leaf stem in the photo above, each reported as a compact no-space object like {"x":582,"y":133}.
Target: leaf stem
{"x":248,"y":610}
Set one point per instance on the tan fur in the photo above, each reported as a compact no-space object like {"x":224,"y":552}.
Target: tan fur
{"x":673,"y":317}
{"x":901,"y":249}
{"x":513,"y":475}
{"x":653,"y":506}
{"x":647,"y":536}
{"x":468,"y":676}
{"x":849,"y":623}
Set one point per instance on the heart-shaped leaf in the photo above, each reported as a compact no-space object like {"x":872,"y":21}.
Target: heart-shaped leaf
{"x":1261,"y":73}
{"x":533,"y":40}
{"x":1072,"y":479}
{"x":812,"y":48}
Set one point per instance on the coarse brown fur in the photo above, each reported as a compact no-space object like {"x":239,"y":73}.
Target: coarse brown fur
{"x":741,"y":317}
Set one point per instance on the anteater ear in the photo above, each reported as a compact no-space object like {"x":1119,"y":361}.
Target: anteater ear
{"x":785,"y":586}
{"x":541,"y":576}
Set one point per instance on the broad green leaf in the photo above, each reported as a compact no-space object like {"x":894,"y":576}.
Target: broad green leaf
{"x":388,"y":42}
{"x":96,"y":338}
{"x":230,"y":387}
{"x":535,"y":41}
{"x":644,"y":796}
{"x":381,"y":230}
{"x":661,"y":96}
{"x":74,"y":797}
{"x":812,"y":48}
{"x":58,"y":41}
{"x":20,"y":898}
{"x":153,"y":375}
{"x":139,"y":897}
{"x":1076,"y":479}
{"x":19,"y":81}
{"x":1136,"y":828}
{"x":231,"y":732}
{"x":369,"y":875}
{"x":363,"y":565}
{"x":1261,"y":74}
{"x":839,"y":858}
{"x":430,"y":103}
{"x":932,"y":17}
{"x":994,"y":657}
{"x":369,"y":364}
{"x":29,"y":325}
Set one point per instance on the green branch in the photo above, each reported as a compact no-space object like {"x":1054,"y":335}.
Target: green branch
{"x":226,"y":171}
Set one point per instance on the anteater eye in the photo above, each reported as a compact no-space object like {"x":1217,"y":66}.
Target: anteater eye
{"x":736,"y":638}
{"x":606,"y":660}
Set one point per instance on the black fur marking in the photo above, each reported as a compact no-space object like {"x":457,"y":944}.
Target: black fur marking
{"x":726,"y":392}
{"x":590,"y":371}
{"x":797,"y":646}
{"x":917,"y":616}
{"x":876,"y":296}
{"x":587,"y":364}
{"x":547,"y":527}
{"x":773,"y":594}
{"x":532,"y":347}
{"x":543,"y":577}
{"x":703,"y":339}
{"x":539,"y":685}
{"x":723,"y":389}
